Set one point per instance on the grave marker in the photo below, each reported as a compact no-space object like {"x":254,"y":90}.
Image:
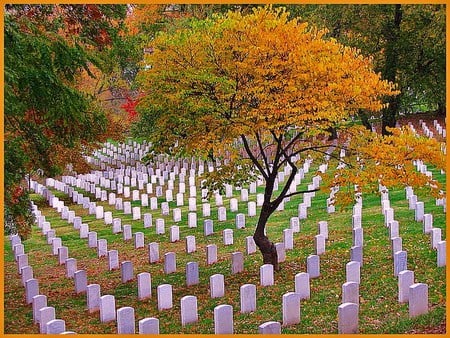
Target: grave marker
{"x":348,"y":318}
{"x":237,"y":262}
{"x":223,"y":319}
{"x":164,"y":292}
{"x":291,"y":308}
{"x":149,"y":326}
{"x":80,"y":279}
{"x":189,"y":312}
{"x":248,"y":298}
{"x":125,"y":320}
{"x":93,"y":297}
{"x":144,"y":281}
{"x":418,"y":299}
{"x":405,"y":280}
{"x":107,"y":308}
{"x":217,"y":285}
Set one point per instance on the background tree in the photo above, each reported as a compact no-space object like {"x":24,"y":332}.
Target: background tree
{"x":48,"y":120}
{"x":407,"y":43}
{"x":257,"y":91}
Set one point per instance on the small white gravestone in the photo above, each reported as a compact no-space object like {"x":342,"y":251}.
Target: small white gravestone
{"x":313,"y":266}
{"x":102,"y":248}
{"x":237,"y":262}
{"x":436,"y":235}
{"x":251,"y":209}
{"x":266,"y":275}
{"x":164,"y":292}
{"x":39,"y":302}
{"x":153,"y":252}
{"x":126,"y":271}
{"x":348,"y":314}
{"x":211,"y":254}
{"x":291,"y":308}
{"x":71,"y":267}
{"x":174,"y":233}
{"x":177,"y":215}
{"x":217,"y":285}
{"x":192,"y":274}
{"x":302,"y":285}
{"x":441,"y":254}
{"x":144,"y":281}
{"x":192,"y":220}
{"x":352,"y":270}
{"x":240,"y":221}
{"x":208,"y":227}
{"x":31,"y":289}
{"x":350,"y":292}
{"x":160,"y":226}
{"x":93,"y":297}
{"x":189,"y":312}
{"x":288,"y":239}
{"x":223,"y":319}
{"x":228,"y":237}
{"x":170,"y":265}
{"x":320,"y":244}
{"x":45,"y":315}
{"x":80,"y":279}
{"x":295,"y":224}
{"x":270,"y":328}
{"x":250,"y":245}
{"x":125,"y":320}
{"x":418,"y":299}
{"x":147,"y":220}
{"x":107,"y":308}
{"x":405,"y":280}
{"x":248,"y":298}
{"x":190,"y":244}
{"x":149,"y":326}
{"x":400,"y":262}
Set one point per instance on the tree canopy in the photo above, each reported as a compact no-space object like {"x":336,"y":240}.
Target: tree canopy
{"x":260,"y":92}
{"x":49,"y":120}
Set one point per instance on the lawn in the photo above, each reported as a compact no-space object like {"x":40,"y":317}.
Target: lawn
{"x":379,"y":309}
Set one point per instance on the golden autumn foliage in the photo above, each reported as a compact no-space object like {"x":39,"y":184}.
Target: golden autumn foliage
{"x":261,"y":92}
{"x":219,"y":79}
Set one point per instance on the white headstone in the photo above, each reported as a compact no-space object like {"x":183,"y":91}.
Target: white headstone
{"x":217,"y":285}
{"x":107,"y":308}
{"x":348,"y":318}
{"x":223,"y":319}
{"x":405,"y":280}
{"x":418,"y":299}
{"x":93,"y":297}
{"x":144,"y":281}
{"x":149,"y":326}
{"x":125,"y":320}
{"x":266,"y":275}
{"x":291,"y":308}
{"x":248,"y":298}
{"x":189,"y":312}
{"x":164,"y":292}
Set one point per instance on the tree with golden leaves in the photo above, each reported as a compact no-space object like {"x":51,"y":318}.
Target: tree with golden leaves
{"x":258,"y":92}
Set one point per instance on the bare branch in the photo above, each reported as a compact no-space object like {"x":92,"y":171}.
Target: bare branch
{"x":253,"y":158}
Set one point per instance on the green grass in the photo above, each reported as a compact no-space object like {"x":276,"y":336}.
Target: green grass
{"x":379,"y":310}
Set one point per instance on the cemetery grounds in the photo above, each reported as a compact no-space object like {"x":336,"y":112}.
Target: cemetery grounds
{"x":379,"y":309}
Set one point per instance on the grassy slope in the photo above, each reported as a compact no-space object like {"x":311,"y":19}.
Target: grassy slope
{"x":379,"y":310}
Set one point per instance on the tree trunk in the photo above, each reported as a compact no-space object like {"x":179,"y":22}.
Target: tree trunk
{"x":364,"y":119}
{"x":267,"y":248}
{"x":392,"y":36}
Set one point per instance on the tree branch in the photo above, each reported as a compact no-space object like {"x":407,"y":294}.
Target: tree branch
{"x":253,"y":158}
{"x":261,"y":148}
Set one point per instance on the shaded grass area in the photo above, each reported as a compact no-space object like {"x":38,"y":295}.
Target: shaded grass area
{"x":379,"y":310}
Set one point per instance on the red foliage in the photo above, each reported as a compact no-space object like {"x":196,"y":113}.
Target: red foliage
{"x":130,"y":108}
